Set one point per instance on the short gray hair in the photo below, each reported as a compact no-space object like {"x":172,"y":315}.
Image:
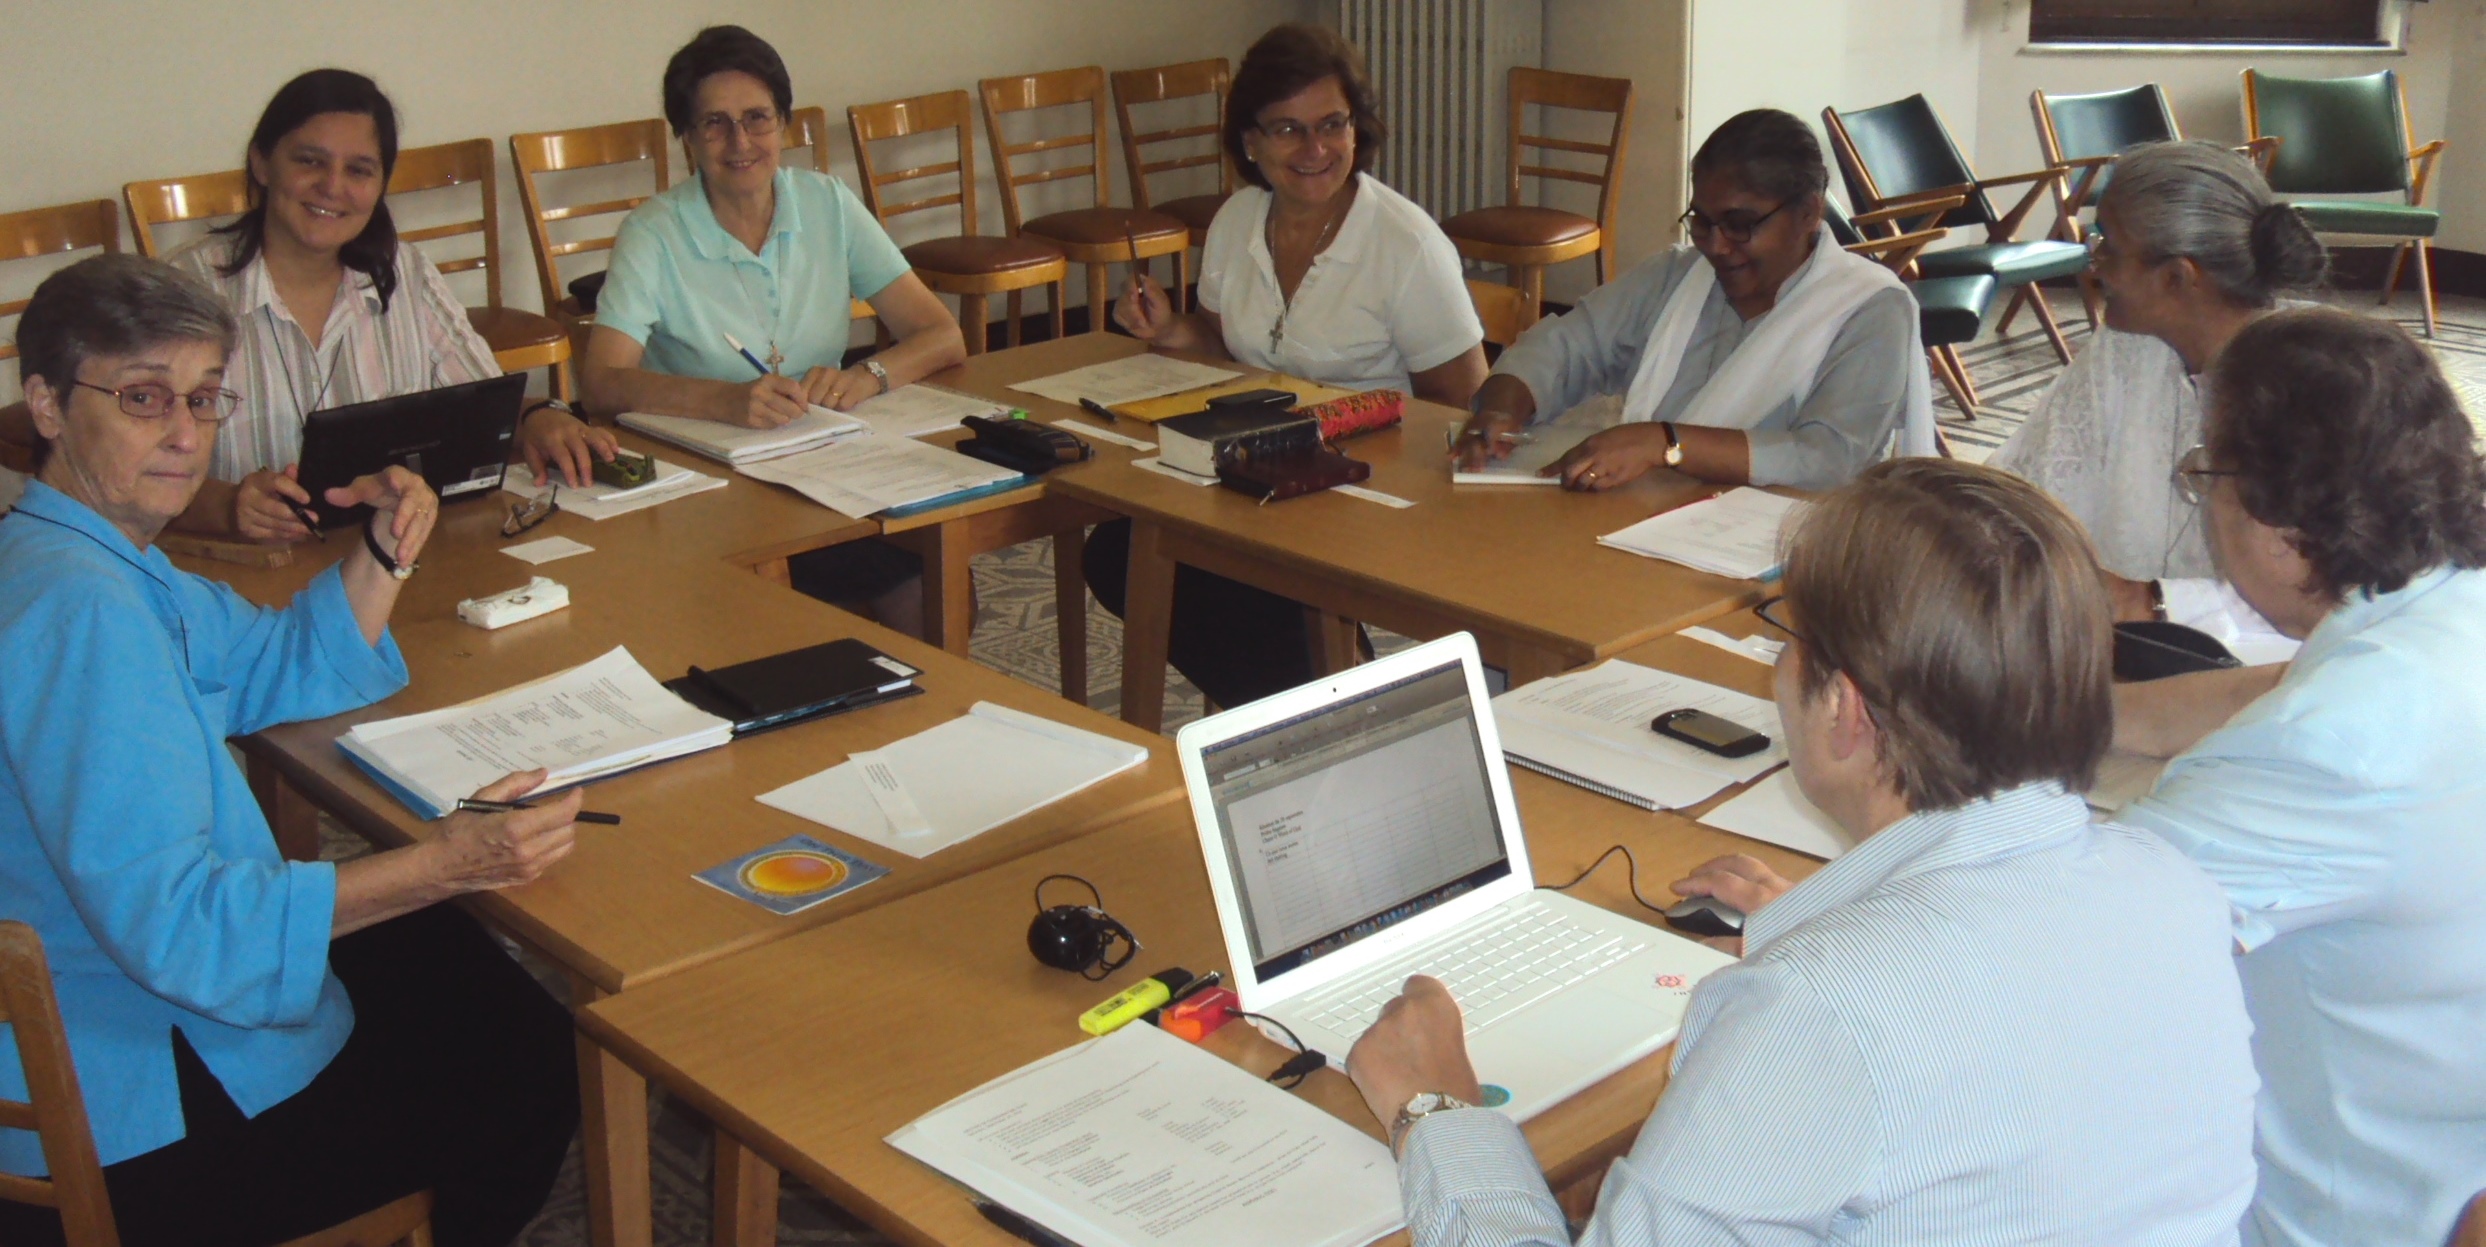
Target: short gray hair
{"x":114,"y":305}
{"x":2205,"y":203}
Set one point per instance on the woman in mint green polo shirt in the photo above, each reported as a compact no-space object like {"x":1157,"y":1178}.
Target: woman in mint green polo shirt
{"x":769,"y":256}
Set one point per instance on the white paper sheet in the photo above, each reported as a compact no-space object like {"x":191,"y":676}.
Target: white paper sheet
{"x":1126,"y":380}
{"x":1392,"y":501}
{"x":598,"y":718}
{"x":1087,"y":429}
{"x":1775,"y":810}
{"x":1759,"y":649}
{"x":918,"y":410}
{"x":1734,"y":534}
{"x":546,"y":549}
{"x":965,"y":777}
{"x":1592,"y":727}
{"x":603,"y":502}
{"x":736,"y":445}
{"x":866,"y":475}
{"x":1153,"y":464}
{"x":1139,"y":1139}
{"x":1544,"y":445}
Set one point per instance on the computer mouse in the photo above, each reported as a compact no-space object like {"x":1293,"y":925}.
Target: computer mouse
{"x":1705,"y":915}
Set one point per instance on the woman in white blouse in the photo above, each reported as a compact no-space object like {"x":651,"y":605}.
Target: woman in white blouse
{"x":1315,"y":270}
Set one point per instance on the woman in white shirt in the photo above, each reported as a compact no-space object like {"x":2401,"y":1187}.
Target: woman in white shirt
{"x":2190,"y":248}
{"x":1315,"y":270}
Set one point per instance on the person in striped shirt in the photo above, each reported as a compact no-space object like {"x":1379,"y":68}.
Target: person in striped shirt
{"x":334,"y":308}
{"x":1993,"y":1021}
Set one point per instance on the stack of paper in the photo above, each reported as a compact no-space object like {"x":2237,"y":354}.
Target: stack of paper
{"x":956,"y":781}
{"x":1591,"y":728}
{"x":1126,"y":380}
{"x":1139,"y":1139}
{"x":1734,"y":534}
{"x":593,"y":720}
{"x":1544,"y":445}
{"x":920,"y":410}
{"x":866,"y":475}
{"x":730,"y":443}
{"x":598,"y":501}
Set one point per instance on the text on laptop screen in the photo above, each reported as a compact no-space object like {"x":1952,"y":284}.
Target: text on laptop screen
{"x":1349,"y":820}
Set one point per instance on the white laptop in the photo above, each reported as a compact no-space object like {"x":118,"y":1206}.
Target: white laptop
{"x":1360,"y":829}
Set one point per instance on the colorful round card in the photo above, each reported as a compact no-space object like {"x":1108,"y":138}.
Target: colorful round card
{"x":792,"y":872}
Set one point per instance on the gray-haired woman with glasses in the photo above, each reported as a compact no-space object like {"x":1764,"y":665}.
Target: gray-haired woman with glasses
{"x":265,"y":1047}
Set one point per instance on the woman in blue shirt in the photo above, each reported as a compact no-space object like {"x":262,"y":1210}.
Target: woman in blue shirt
{"x":266,"y":1047}
{"x":769,"y":257}
{"x":2338,"y":799}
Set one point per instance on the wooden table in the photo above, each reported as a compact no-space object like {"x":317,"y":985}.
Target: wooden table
{"x":1518,"y":566}
{"x":809,"y":1051}
{"x":623,"y":909}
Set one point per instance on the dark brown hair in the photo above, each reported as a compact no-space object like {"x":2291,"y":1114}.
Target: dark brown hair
{"x":2342,"y":433}
{"x":1966,"y":606}
{"x":718,"y":50}
{"x":1288,"y":59}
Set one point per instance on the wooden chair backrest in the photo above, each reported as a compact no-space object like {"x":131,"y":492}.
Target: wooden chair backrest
{"x":1580,"y":93}
{"x":1500,"y":307}
{"x":1059,"y":88}
{"x":590,"y":147}
{"x":897,"y":119}
{"x":805,"y":128}
{"x":197,"y":197}
{"x":50,"y":231}
{"x":55,"y":1109}
{"x":465,"y":163}
{"x":1188,"y":80}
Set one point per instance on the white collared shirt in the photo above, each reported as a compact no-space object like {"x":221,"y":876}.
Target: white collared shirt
{"x":422,"y":342}
{"x":1386,"y":298}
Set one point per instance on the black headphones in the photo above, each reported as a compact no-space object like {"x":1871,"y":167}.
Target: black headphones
{"x":1080,"y":938}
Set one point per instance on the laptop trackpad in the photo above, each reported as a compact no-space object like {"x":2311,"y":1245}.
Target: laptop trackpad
{"x":1590,"y":1028}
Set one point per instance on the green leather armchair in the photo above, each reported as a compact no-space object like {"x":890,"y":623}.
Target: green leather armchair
{"x":1950,"y":310}
{"x":2350,"y":136}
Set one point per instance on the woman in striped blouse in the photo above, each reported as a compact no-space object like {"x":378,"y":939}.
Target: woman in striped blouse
{"x":334,"y":308}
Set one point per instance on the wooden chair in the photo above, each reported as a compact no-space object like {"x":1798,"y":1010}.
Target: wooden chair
{"x":1900,"y":153}
{"x":1190,"y":80}
{"x":167,"y":201}
{"x":2351,"y":136}
{"x":1524,"y":238}
{"x":808,"y":128}
{"x":25,"y":236}
{"x":970,"y":265}
{"x":520,"y":340}
{"x":562,"y":151}
{"x":1096,"y":236}
{"x":55,"y":1111}
{"x":1500,"y":308}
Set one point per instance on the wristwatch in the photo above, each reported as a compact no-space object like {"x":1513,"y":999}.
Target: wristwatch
{"x":1424,"y":1104}
{"x":2158,"y":601}
{"x":1674,"y":444}
{"x":371,"y":542}
{"x":879,"y":374}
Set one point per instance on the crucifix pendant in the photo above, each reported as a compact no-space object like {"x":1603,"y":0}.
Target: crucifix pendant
{"x":776,"y":358}
{"x":1277,"y":332}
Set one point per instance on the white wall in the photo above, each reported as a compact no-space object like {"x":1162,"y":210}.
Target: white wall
{"x":102,"y":92}
{"x":1643,"y":40}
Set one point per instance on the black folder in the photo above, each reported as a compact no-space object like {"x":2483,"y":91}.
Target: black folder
{"x":797,"y":685}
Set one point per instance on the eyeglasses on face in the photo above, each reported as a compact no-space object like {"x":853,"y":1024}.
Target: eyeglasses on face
{"x":1331,"y":129}
{"x":150,"y":400}
{"x":1773,"y":611}
{"x":526,"y":515}
{"x":2193,"y":473}
{"x":718,"y":128}
{"x":1737,"y":225}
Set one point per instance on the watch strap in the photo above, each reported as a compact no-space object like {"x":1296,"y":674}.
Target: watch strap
{"x":1674,"y":444}
{"x":371,"y":542}
{"x":879,"y":373}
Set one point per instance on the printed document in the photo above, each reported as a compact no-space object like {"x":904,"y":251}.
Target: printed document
{"x":1139,"y":1139}
{"x":593,"y":720}
{"x":957,"y":781}
{"x":862,"y":476}
{"x":1126,"y":380}
{"x":1592,"y":728}
{"x":736,"y":445}
{"x":1734,"y":534}
{"x":919,"y":410}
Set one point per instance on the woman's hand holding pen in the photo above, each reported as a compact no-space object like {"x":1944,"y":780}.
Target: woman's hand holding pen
{"x":1144,"y":309}
{"x":481,"y":852}
{"x":766,"y":403}
{"x":1488,"y":437}
{"x":267,"y":506}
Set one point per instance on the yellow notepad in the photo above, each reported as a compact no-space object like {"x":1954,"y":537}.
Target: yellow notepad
{"x":1151,"y":410}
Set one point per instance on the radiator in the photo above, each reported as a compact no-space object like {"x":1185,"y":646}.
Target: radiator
{"x":1441,"y":70}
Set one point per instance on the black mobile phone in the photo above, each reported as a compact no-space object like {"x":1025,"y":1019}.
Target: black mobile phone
{"x":1703,"y":730}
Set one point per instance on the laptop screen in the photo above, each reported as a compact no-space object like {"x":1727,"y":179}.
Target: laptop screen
{"x":1344,"y":822}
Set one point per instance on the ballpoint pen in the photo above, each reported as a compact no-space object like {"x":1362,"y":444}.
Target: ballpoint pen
{"x":745,"y":352}
{"x":309,"y":517}
{"x":480,"y":806}
{"x":1454,"y":434}
{"x":1091,"y":405}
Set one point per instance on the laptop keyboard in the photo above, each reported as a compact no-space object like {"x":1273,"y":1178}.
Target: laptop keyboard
{"x":1494,"y":972}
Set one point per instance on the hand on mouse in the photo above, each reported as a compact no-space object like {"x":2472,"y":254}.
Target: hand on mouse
{"x":1738,"y":879}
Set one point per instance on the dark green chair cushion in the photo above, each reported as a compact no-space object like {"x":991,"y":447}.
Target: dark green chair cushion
{"x":1906,"y":148}
{"x":2011,"y":263}
{"x":2108,"y":123}
{"x":2337,"y":136}
{"x":1951,"y":310}
{"x":2391,"y":220}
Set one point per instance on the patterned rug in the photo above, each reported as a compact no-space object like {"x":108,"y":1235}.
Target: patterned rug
{"x":1014,"y":633}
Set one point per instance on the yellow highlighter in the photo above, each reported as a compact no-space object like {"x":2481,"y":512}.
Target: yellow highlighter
{"x":1124,"y":1006}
